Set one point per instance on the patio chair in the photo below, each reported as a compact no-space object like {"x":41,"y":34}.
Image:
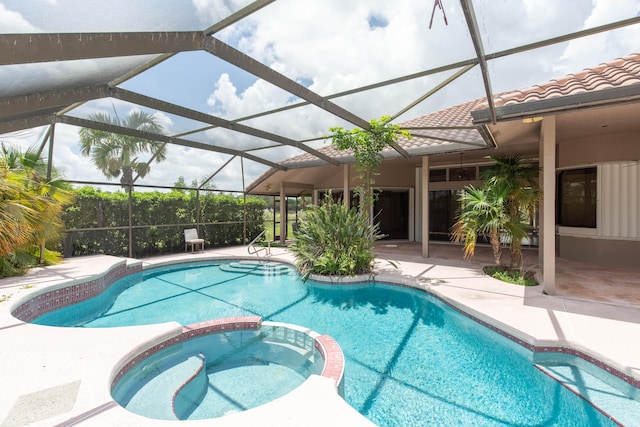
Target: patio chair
{"x":191,"y":238}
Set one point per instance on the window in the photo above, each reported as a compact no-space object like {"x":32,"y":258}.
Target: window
{"x":437,"y":175}
{"x":577,"y":197}
{"x":443,"y":208}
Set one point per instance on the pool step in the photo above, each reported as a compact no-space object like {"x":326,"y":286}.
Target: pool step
{"x":611,"y":395}
{"x":155,"y":398}
{"x":261,"y":268}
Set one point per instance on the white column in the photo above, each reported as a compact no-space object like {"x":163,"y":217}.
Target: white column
{"x":425,"y":206}
{"x":283,"y":215}
{"x":346,"y":194}
{"x":547,"y":244}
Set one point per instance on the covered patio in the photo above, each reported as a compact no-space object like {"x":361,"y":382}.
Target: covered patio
{"x":148,"y":65}
{"x":575,"y":280}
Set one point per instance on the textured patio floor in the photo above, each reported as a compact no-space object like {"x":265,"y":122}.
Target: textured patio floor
{"x":60,"y":376}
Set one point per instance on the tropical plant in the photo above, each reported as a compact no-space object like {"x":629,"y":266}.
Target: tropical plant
{"x":30,"y":209}
{"x":520,"y":177}
{"x":482,"y":213}
{"x":367,"y":146}
{"x":116,"y":155}
{"x":333,"y":239}
{"x":501,"y":210}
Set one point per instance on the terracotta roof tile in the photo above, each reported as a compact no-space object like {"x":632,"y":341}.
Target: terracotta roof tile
{"x":423,"y":139}
{"x":621,"y":72}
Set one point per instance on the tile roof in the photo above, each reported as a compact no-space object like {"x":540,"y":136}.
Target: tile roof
{"x":621,"y":72}
{"x":452,"y":129}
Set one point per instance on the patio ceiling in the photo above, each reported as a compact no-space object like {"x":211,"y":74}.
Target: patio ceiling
{"x":59,"y":72}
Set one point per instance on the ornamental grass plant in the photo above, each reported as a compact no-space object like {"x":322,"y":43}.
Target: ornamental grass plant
{"x":334,"y":240}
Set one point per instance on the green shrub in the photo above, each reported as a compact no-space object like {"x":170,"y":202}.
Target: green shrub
{"x":158,"y":221}
{"x":334,"y":240}
{"x":511,"y":276}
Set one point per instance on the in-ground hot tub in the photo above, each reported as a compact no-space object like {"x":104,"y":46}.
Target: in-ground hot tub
{"x":220,"y":367}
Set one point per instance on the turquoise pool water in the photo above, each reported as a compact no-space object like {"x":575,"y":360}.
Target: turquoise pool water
{"x":410,"y":359}
{"x":218,"y":374}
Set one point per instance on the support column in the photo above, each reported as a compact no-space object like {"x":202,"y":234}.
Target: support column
{"x":130,"y":191}
{"x":346,"y":178}
{"x":547,"y":244}
{"x":283,"y":215}
{"x":425,"y":205}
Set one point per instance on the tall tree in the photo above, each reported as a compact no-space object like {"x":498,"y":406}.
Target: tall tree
{"x":367,"y":146}
{"x":116,"y":155}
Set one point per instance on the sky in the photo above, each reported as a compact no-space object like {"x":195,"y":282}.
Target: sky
{"x":328,"y":46}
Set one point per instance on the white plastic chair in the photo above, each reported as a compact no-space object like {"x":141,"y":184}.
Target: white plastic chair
{"x":191,"y":238}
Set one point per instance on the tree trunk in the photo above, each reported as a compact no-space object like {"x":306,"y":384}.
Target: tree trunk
{"x":41,"y":258}
{"x":494,"y":239}
{"x":516,"y":254}
{"x":127,"y":177}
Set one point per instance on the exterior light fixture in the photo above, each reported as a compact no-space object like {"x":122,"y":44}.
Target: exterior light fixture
{"x":532,"y":119}
{"x":462,"y":174}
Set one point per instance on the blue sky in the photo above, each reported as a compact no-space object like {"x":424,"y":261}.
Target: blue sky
{"x":329,"y":46}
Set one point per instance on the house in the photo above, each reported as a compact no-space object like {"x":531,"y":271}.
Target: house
{"x":582,"y":129}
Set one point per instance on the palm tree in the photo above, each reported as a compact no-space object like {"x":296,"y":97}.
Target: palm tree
{"x":480,"y":214}
{"x":16,"y":217}
{"x":520,"y":179}
{"x":501,"y":209}
{"x":115,"y":154}
{"x":30,"y":204}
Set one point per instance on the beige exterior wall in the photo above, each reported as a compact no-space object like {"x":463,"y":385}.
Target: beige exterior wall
{"x":599,"y":251}
{"x":392,"y":175}
{"x":589,"y":151}
{"x":616,"y":240}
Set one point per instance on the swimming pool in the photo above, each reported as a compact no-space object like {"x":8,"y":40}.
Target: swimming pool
{"x":410,"y":359}
{"x":216,"y":368}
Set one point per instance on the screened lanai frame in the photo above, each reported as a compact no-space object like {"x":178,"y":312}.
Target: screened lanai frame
{"x":54,"y":75}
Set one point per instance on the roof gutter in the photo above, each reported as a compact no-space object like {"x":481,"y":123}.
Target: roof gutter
{"x":564,"y":104}
{"x":486,"y":134}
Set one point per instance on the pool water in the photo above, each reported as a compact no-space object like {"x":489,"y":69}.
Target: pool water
{"x":410,"y":360}
{"x":220,"y":373}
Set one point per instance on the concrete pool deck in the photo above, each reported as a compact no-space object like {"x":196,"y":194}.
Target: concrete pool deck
{"x":61,"y":376}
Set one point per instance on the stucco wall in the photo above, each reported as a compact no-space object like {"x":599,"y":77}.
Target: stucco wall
{"x":599,"y":251}
{"x":589,"y":151}
{"x":392,"y":175}
{"x":615,"y":241}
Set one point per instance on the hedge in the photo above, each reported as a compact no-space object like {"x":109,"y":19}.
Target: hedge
{"x":158,"y":221}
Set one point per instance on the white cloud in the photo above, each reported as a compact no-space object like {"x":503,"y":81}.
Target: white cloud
{"x":593,"y":50}
{"x":211,"y":11}
{"x":335,"y":45}
{"x":14,"y":22}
